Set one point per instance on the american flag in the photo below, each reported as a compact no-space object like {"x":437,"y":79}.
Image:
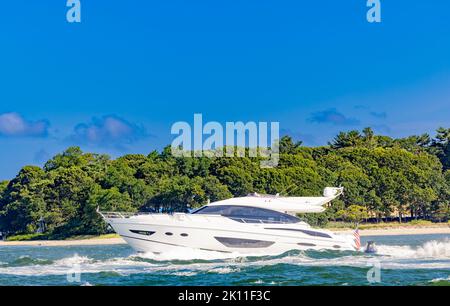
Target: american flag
{"x":357,"y":239}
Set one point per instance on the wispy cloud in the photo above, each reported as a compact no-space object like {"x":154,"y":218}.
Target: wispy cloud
{"x":375,"y":114}
{"x":108,"y":131}
{"x":332,"y":116}
{"x":379,"y":115}
{"x":14,"y":125}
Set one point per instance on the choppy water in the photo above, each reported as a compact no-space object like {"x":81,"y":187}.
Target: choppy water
{"x":404,"y":260}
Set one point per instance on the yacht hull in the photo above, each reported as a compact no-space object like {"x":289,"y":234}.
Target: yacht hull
{"x":161,"y":233}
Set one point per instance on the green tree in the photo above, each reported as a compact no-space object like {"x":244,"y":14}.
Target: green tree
{"x":441,"y":146}
{"x":382,"y":176}
{"x":354,"y":214}
{"x":347,"y":139}
{"x":123,"y":174}
{"x":288,"y":146}
{"x":105,"y":200}
{"x":3,"y":185}
{"x":23,"y":201}
{"x":67,"y":198}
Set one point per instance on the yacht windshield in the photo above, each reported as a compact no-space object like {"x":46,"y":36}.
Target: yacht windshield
{"x":248,"y":214}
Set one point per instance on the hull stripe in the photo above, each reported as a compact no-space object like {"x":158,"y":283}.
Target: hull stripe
{"x":172,"y":244}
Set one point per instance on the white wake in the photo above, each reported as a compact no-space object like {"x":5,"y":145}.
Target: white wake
{"x":430,"y":255}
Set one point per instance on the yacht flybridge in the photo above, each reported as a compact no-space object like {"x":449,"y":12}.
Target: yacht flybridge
{"x":255,"y":224}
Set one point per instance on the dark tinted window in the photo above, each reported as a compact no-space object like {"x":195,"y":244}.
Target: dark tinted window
{"x":307,"y":232}
{"x":243,"y":243}
{"x":248,"y":214}
{"x":306,"y":244}
{"x":139,"y":232}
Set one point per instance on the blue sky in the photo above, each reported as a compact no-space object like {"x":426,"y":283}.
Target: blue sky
{"x":116,"y":82}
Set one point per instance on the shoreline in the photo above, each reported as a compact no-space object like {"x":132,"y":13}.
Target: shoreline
{"x":399,"y":231}
{"x":118,"y":241}
{"x":92,"y":241}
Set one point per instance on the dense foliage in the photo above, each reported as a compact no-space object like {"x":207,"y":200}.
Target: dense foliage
{"x":384,"y":176}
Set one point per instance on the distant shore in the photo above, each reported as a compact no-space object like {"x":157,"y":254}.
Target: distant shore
{"x":407,"y":230}
{"x":91,"y":241}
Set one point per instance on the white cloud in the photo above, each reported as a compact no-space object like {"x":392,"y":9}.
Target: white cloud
{"x":108,"y":131}
{"x":14,"y":125}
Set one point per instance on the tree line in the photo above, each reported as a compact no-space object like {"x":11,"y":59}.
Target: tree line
{"x":385,"y":176}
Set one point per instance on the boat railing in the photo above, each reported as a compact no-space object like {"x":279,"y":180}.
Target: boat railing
{"x":252,"y":220}
{"x":121,"y":214}
{"x":114,"y":214}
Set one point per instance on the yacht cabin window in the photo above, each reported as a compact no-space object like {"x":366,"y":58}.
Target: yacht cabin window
{"x":247,"y":214}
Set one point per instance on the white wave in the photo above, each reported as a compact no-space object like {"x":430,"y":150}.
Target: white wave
{"x":75,"y":264}
{"x":440,"y":279}
{"x":86,"y":284}
{"x":225,"y":270}
{"x":430,"y":249}
{"x":435,"y":249}
{"x":193,"y":254}
{"x":430,"y":255}
{"x":74,"y":260}
{"x":185,"y":273}
{"x":188,"y":254}
{"x":122,"y":266}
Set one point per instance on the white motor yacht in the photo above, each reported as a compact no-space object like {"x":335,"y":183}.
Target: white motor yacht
{"x":251,"y":225}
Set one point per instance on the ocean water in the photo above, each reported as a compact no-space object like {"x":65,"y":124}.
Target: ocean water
{"x":401,"y":260}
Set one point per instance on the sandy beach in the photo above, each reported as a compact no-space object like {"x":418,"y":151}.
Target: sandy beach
{"x":402,"y":231}
{"x":93,"y":241}
{"x":111,"y":241}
